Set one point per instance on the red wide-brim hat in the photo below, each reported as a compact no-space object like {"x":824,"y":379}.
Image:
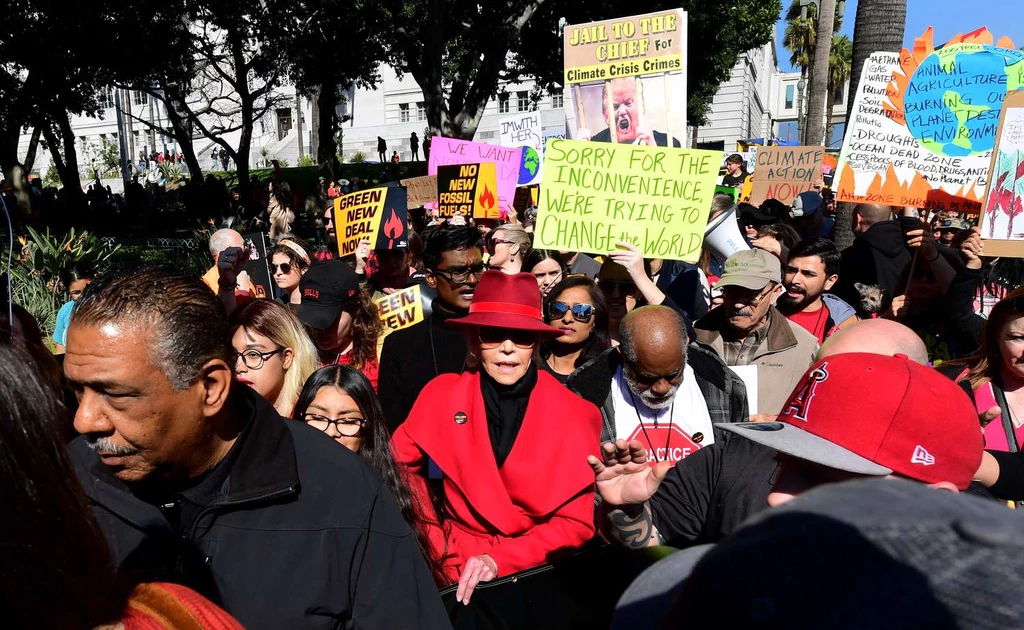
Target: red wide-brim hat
{"x":509,"y":301}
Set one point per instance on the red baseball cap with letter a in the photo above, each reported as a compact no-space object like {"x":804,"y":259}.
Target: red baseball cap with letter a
{"x":877,"y":415}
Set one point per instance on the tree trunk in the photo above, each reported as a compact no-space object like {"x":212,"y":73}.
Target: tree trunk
{"x":314,"y":121}
{"x":183,"y":138}
{"x":878,"y":27}
{"x":33,"y":147}
{"x":828,"y":116}
{"x":326,"y":126}
{"x":816,"y":103}
{"x":66,"y":163}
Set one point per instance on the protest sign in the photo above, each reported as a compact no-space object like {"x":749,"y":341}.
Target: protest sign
{"x":727,"y":190}
{"x":400,"y":309}
{"x":1004,"y":197}
{"x":924,"y":121}
{"x":445,"y":151}
{"x":467,"y":189}
{"x":258,"y":266}
{"x":784,"y":172}
{"x":421,"y":190}
{"x":524,"y":130}
{"x":378,"y":214}
{"x":595,"y":195}
{"x":626,"y":79}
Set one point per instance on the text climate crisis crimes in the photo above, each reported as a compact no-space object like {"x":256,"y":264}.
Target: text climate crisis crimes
{"x":585,"y":169}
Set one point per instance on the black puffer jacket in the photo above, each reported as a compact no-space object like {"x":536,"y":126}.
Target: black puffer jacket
{"x":877,"y":257}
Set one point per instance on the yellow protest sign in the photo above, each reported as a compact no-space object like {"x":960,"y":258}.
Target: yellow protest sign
{"x":463,"y":189}
{"x":596,"y":194}
{"x":400,"y":309}
{"x":361,"y":215}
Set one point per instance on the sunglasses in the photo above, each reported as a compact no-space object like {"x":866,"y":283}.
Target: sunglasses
{"x":493,"y":244}
{"x":286,"y":268}
{"x":617,"y":286}
{"x":582,"y":313}
{"x":491,"y":338}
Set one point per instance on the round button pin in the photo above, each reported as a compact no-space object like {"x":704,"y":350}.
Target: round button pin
{"x":461,"y":417}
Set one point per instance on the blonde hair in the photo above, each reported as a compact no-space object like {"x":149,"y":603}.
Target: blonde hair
{"x":278,"y":324}
{"x":518,"y":235}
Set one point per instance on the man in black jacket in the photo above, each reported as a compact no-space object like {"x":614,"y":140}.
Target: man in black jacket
{"x":412,"y":357}
{"x":877,"y":256}
{"x":195,"y":479}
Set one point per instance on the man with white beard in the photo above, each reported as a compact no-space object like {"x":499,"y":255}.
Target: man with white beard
{"x":656,"y":389}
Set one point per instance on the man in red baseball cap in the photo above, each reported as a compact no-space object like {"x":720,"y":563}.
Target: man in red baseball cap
{"x":870,"y":415}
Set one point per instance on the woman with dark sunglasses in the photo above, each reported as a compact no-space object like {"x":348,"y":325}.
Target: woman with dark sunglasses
{"x":514,"y":489}
{"x":289,"y":260}
{"x":507,"y":248}
{"x":576,"y":307}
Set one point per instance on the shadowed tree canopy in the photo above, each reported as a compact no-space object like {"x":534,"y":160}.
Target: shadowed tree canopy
{"x":461,"y":52}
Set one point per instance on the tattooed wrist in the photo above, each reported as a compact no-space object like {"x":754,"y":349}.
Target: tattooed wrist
{"x":633,"y":526}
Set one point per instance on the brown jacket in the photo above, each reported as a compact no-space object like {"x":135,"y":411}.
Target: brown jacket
{"x":782,"y":358}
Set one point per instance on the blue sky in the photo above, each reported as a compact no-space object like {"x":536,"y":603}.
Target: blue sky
{"x":947,"y":16}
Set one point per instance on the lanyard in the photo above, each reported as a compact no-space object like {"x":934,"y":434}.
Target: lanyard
{"x":668,"y":439}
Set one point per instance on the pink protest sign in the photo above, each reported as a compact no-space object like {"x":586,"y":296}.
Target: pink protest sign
{"x":445,"y":151}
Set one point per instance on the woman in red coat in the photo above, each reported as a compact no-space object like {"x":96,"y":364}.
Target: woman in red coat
{"x":509,"y":442}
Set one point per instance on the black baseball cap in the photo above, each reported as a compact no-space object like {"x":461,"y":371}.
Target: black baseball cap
{"x":327,"y":288}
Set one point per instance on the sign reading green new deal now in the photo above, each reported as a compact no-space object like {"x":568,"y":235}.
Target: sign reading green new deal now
{"x":597,"y":194}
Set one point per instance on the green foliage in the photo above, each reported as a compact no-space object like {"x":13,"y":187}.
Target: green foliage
{"x":283,"y":163}
{"x":46,"y":256}
{"x":306,"y":160}
{"x":30,"y":292}
{"x":172,"y":171}
{"x":52,"y":178}
{"x":840,"y":62}
{"x":357,"y":157}
{"x":109,"y":158}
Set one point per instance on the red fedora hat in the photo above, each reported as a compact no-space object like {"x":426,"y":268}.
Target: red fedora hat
{"x":508,"y":301}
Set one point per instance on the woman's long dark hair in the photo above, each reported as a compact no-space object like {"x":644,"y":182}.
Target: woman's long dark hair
{"x":598,"y":340}
{"x":366,"y":330}
{"x":375,"y":448}
{"x":56,"y":570}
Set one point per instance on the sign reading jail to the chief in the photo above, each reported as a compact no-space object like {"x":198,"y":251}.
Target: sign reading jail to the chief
{"x":597,"y":194}
{"x":380,"y":215}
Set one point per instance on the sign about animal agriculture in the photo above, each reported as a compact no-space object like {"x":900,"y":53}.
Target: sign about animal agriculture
{"x":524,"y":130}
{"x":378,"y":214}
{"x":626,"y":79}
{"x":401,"y":309}
{"x":595,"y":195}
{"x":1004,"y":201}
{"x":467,"y":190}
{"x":924,"y":122}
{"x":784,"y":172}
{"x":445,"y":151}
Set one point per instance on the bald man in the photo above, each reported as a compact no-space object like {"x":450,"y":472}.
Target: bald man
{"x":710,"y":494}
{"x":656,"y":389}
{"x":878,"y":254}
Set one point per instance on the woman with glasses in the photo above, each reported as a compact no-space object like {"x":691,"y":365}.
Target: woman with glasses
{"x":507,"y":247}
{"x":289,"y":260}
{"x":516,"y":489}
{"x":273,"y":353}
{"x":576,"y":307}
{"x":547,"y":267}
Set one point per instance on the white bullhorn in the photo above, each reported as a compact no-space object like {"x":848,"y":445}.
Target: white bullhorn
{"x":722,"y":236}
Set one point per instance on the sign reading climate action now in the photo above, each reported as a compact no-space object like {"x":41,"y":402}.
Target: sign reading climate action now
{"x":784,"y":172}
{"x":596,"y":194}
{"x":378,"y":214}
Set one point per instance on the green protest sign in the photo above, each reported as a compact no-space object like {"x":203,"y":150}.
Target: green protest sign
{"x":597,"y":194}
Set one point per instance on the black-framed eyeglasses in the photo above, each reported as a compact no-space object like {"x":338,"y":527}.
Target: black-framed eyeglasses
{"x":492,"y":244}
{"x":286,"y":268}
{"x":254,"y":359}
{"x":491,"y":338}
{"x":348,"y":427}
{"x":750,"y":297}
{"x":609,"y":287}
{"x":582,"y":313}
{"x":459,"y":276}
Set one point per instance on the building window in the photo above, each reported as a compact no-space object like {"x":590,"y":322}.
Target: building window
{"x":140,"y":98}
{"x":403,"y":112}
{"x":284,"y":122}
{"x":421,"y":111}
{"x":503,"y":104}
{"x":789,"y":97}
{"x":557,"y":100}
{"x":838,"y":100}
{"x":522,"y":101}
{"x":106,"y":98}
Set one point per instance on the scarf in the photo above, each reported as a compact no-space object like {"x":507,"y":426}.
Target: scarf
{"x":506,"y":407}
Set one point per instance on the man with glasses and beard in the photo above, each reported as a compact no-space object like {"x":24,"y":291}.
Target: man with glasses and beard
{"x":657,"y":389}
{"x":813,"y":268}
{"x":748,"y":330}
{"x":412,"y":357}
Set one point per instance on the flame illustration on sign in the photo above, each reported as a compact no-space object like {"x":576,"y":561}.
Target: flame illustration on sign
{"x":487,"y":198}
{"x":393,"y":228}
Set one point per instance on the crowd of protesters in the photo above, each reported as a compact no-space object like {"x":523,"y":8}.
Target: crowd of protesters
{"x":191,"y":451}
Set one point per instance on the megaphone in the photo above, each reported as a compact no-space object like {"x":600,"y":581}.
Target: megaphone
{"x":722,"y":236}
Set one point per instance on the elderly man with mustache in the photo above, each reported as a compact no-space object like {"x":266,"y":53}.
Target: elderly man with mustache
{"x":747,"y":329}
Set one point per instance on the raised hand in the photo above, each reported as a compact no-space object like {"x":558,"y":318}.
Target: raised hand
{"x":972,"y":249}
{"x":623,"y":474}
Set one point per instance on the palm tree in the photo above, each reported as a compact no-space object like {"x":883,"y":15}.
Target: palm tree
{"x":799,"y":41}
{"x":879,"y":27}
{"x":817,"y":100}
{"x":839,"y":62}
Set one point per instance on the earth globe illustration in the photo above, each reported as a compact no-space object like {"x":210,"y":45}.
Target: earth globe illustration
{"x":528,"y":165}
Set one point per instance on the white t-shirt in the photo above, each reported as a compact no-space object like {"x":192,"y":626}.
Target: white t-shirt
{"x":668,"y":434}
